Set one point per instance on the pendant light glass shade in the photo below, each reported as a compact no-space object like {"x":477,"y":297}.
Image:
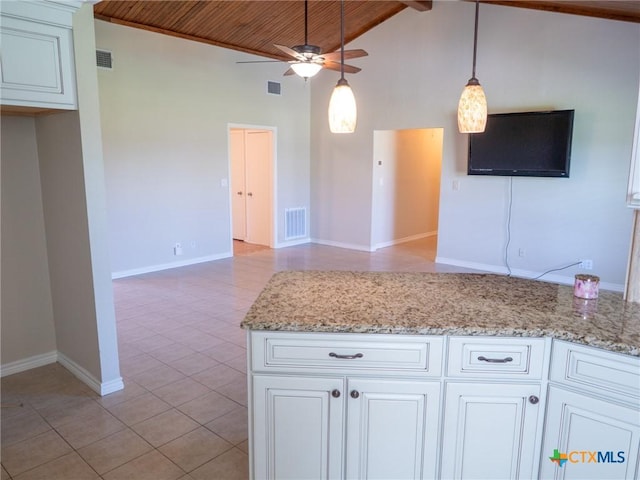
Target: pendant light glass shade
{"x":472,"y":108}
{"x":306,"y":69}
{"x":343,"y":113}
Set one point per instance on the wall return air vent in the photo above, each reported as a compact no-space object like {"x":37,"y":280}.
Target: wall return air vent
{"x":274,"y":88}
{"x":104,"y":59}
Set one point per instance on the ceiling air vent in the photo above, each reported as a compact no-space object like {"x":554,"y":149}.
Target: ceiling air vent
{"x":104,"y":59}
{"x":273,"y":88}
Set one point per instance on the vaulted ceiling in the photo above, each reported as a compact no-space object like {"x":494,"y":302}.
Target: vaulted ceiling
{"x":253,"y":26}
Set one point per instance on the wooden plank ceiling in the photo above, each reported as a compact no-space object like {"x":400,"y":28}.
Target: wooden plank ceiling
{"x":253,"y":26}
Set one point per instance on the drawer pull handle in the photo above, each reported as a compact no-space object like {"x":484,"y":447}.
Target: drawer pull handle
{"x":495,"y":360}
{"x":346,"y":357}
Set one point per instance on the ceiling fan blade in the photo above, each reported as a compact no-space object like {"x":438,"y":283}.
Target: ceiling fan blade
{"x":335,"y":56}
{"x":263,"y":61}
{"x":289,"y":51}
{"x":336,"y":66}
{"x":289,"y":72}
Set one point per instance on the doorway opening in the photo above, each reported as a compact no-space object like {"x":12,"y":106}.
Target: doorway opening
{"x":251,"y":157}
{"x":406,"y":188}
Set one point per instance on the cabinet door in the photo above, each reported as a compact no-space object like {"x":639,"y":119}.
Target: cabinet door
{"x":592,"y":438}
{"x":297,"y":427}
{"x":392,"y":429}
{"x":47,"y":79}
{"x":490,"y":431}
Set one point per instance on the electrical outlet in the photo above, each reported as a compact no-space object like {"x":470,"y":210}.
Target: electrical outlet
{"x":586,"y":264}
{"x":177,"y":249}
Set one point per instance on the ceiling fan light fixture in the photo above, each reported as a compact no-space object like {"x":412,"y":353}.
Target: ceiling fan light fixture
{"x":472,"y":107}
{"x":343,"y":114}
{"x":306,"y":69}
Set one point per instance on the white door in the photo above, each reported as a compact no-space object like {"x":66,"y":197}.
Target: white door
{"x":238,"y":193}
{"x":297,"y":427}
{"x":607,"y":433}
{"x":251,"y":182}
{"x":489,"y":431}
{"x":392,"y":429}
{"x":258,"y":161}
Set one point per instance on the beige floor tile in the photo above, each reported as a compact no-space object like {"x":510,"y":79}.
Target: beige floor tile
{"x":231,"y":426}
{"x":231,"y":465}
{"x":114,"y":450}
{"x":165,"y":427}
{"x":181,"y":391}
{"x":20,"y":457}
{"x":236,"y":391}
{"x":4,"y":475}
{"x":206,"y":408}
{"x":195,"y":448}
{"x":244,"y":446}
{"x":68,"y":467}
{"x":23,"y":426}
{"x":171,"y":352}
{"x":218,"y":376}
{"x":238,"y":363}
{"x":90,"y":428}
{"x":150,"y":466}
{"x":138,"y":409}
{"x":225,"y":351}
{"x":194,"y":363}
{"x":157,"y":377}
{"x":134,"y":365}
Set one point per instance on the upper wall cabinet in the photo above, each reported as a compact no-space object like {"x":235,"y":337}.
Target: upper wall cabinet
{"x":633,"y":196}
{"x":36,"y":54}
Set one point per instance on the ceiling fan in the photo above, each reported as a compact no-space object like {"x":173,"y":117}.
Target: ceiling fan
{"x":309,"y":59}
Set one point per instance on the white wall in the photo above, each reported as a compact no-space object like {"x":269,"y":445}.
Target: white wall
{"x":27,"y":312}
{"x":166,"y":108}
{"x":406,"y":184}
{"x":417,"y":66}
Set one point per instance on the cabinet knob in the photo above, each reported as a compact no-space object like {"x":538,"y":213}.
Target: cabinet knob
{"x":239,"y":193}
{"x":533,"y":399}
{"x":355,"y":394}
{"x":335,"y":393}
{"x":250,"y":194}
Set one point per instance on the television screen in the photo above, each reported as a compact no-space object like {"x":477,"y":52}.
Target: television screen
{"x":529,"y":144}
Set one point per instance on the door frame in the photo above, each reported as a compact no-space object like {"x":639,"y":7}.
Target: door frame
{"x":272,"y":179}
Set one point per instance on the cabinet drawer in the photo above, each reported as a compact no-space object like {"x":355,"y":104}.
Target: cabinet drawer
{"x":484,"y":356}
{"x":598,"y":370}
{"x":284,"y":351}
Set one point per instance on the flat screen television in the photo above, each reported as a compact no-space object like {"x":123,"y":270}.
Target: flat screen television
{"x":525,"y":144}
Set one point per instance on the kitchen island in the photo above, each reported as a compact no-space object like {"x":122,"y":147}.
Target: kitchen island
{"x":418,"y":375}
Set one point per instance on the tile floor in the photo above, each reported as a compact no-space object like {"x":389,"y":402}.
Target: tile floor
{"x":183,"y":411}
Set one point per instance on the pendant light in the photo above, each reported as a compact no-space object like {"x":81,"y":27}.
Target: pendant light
{"x":343,"y":113}
{"x":472,"y":108}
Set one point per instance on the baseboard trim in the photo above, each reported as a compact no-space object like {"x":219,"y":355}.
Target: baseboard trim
{"x":167,"y":266}
{"x":349,"y":246}
{"x":410,"y":238}
{"x":292,"y":243}
{"x":101,"y":388}
{"x":28,"y":363}
{"x":527,"y":274}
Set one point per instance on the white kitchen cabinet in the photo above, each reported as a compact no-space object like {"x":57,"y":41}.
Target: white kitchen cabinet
{"x":392,"y":428}
{"x":297,"y":427}
{"x":490,"y":431}
{"x":37,"y":57}
{"x":600,"y":439}
{"x":593,"y":407}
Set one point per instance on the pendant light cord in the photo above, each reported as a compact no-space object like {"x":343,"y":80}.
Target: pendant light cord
{"x":342,"y":40}
{"x":475,"y":40}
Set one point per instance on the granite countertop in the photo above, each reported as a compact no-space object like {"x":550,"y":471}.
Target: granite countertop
{"x":443,"y":304}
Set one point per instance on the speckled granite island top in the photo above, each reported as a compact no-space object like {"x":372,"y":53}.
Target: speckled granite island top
{"x":443,"y":304}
